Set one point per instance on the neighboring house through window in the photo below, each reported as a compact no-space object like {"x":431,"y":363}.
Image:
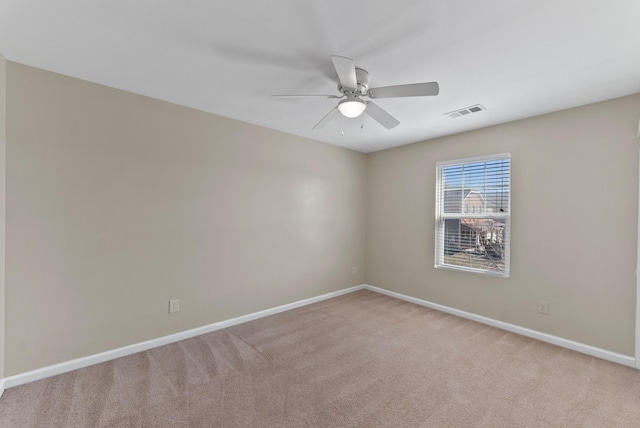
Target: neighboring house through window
{"x":473,"y":213}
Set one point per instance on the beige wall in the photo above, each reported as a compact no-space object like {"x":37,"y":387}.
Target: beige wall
{"x":3,"y":144}
{"x":117,"y":203}
{"x":574,"y":223}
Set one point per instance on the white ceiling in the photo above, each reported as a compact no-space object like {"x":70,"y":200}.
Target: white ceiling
{"x":517,"y":58}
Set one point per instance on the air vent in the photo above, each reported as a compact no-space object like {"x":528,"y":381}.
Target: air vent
{"x":465,"y":111}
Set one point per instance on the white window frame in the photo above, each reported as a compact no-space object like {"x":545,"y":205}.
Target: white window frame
{"x":441,"y":217}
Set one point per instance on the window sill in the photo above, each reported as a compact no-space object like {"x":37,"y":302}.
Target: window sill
{"x":474,"y":271}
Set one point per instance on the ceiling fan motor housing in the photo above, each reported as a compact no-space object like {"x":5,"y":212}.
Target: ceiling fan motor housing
{"x":362,"y":77}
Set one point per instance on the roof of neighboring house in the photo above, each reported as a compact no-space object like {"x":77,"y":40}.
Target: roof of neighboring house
{"x":495,"y":201}
{"x":482,"y":224}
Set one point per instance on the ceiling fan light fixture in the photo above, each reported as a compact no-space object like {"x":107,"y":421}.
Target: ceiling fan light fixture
{"x":351,"y":107}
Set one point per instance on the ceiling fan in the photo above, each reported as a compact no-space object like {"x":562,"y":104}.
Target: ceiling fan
{"x":354,"y":85}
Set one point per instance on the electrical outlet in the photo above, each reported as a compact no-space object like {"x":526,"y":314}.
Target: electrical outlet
{"x":354,"y":270}
{"x":543,"y":307}
{"x":174,"y":305}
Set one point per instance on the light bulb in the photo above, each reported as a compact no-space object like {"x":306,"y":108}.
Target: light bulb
{"x":351,"y":107}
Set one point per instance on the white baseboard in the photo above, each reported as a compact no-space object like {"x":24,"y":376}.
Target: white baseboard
{"x":79,"y":363}
{"x":555,"y":340}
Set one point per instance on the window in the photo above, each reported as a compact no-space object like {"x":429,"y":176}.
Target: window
{"x":473,"y":213}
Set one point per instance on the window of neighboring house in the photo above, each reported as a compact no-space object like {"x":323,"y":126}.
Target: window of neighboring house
{"x":473,"y":214}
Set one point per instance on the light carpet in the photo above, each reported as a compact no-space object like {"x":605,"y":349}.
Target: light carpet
{"x":359,"y":360}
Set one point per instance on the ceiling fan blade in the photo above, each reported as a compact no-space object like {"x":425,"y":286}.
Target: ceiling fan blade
{"x":306,"y":96}
{"x":384,"y":118}
{"x":346,"y":69}
{"x":326,"y":119}
{"x":410,"y":90}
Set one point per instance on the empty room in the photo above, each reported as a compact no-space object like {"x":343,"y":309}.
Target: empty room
{"x":319,"y":213}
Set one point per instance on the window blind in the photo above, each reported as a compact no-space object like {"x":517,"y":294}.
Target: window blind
{"x":473,"y":214}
